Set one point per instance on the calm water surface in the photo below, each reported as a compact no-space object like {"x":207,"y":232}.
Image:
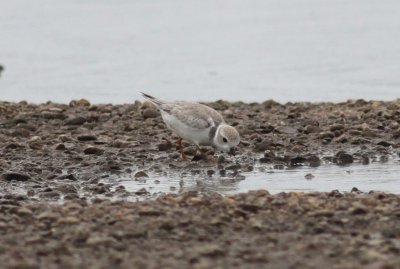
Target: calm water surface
{"x":107,"y":51}
{"x":376,"y":176}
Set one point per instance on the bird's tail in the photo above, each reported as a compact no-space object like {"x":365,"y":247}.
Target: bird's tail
{"x":152,"y":99}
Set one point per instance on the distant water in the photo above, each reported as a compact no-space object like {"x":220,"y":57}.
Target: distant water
{"x":107,"y":51}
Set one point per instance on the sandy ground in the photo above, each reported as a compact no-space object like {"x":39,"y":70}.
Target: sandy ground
{"x":56,"y":211}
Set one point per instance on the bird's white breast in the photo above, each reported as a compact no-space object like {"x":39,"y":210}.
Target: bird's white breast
{"x":194,"y":135}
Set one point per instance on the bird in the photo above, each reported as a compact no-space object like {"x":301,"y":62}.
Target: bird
{"x":196,"y":123}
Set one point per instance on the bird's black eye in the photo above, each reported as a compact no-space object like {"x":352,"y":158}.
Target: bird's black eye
{"x":225,"y":140}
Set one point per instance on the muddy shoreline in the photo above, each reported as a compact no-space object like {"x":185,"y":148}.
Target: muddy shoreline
{"x":62,"y":208}
{"x":253,"y":230}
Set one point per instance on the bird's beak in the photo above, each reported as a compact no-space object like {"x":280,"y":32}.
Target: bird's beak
{"x":232,"y":151}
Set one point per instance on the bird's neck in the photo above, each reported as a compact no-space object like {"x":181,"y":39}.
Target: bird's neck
{"x":217,"y":132}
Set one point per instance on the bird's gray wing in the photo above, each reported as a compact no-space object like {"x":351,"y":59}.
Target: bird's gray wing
{"x":195,"y":115}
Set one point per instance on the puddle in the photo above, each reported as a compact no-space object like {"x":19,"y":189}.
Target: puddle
{"x":375,"y":176}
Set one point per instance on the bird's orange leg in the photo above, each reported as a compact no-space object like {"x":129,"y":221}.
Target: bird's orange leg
{"x":181,"y":152}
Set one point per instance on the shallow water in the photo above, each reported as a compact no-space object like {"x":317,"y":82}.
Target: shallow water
{"x":108,"y":51}
{"x":376,"y":176}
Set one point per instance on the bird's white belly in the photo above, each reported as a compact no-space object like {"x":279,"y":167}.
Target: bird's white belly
{"x":196,"y":136}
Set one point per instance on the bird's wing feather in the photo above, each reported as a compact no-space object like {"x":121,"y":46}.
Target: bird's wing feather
{"x":195,"y":115}
{"x":153,"y":100}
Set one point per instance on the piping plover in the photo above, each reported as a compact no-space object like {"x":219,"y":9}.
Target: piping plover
{"x":197,"y":123}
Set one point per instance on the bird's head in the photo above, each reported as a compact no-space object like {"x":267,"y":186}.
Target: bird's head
{"x":226,"y":138}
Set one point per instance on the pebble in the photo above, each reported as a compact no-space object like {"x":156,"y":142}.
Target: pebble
{"x":35,"y":142}
{"x":93,"y":151}
{"x":75,"y":121}
{"x":365,"y":160}
{"x":325,"y":135}
{"x":164,"y":146}
{"x":87,"y":138}
{"x":336,"y":127}
{"x":50,"y":195}
{"x":314,"y":161}
{"x":312,"y":129}
{"x":67,"y":176}
{"x":297,"y":161}
{"x":286,"y":130}
{"x":210,"y":173}
{"x":60,"y":146}
{"x":142,"y":191}
{"x":80,"y":102}
{"x":15,"y":176}
{"x":118,"y":143}
{"x":66,"y":189}
{"x":343,"y":158}
{"x":384,"y":144}
{"x":309,"y":176}
{"x":21,"y":132}
{"x":140,"y":174}
{"x":150,"y":113}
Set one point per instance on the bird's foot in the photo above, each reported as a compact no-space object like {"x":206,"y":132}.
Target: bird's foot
{"x":182,"y":155}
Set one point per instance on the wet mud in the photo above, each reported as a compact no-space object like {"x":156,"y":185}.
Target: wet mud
{"x":62,"y":207}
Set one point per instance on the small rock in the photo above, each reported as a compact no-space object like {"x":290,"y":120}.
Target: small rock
{"x":93,"y":151}
{"x":309,"y":176}
{"x":262,"y":146}
{"x":221,"y":159}
{"x":30,"y":192}
{"x":75,"y":121}
{"x":21,"y":132}
{"x":50,"y":216}
{"x":297,"y":161}
{"x":384,"y":159}
{"x":68,"y":176}
{"x":312,"y":129}
{"x":66,"y":189}
{"x":384,"y":144}
{"x":265,"y":160}
{"x":240,"y":177}
{"x":50,"y":195}
{"x":141,"y":174}
{"x":23,"y":211}
{"x":336,"y":127}
{"x":286,"y":130}
{"x":68,"y":220}
{"x":60,"y":146}
{"x":35,"y":142}
{"x":87,"y":138}
{"x":343,"y":158}
{"x":15,"y":176}
{"x":326,"y":135}
{"x":150,"y":113}
{"x":358,"y":210}
{"x":118,"y":143}
{"x":314,"y":161}
{"x":142,"y":191}
{"x":164,"y":146}
{"x":80,"y":102}
{"x":50,"y":115}
{"x":279,"y":166}
{"x":335,"y":193}
{"x":365,"y":160}
{"x":210,"y":173}
{"x":354,"y":189}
